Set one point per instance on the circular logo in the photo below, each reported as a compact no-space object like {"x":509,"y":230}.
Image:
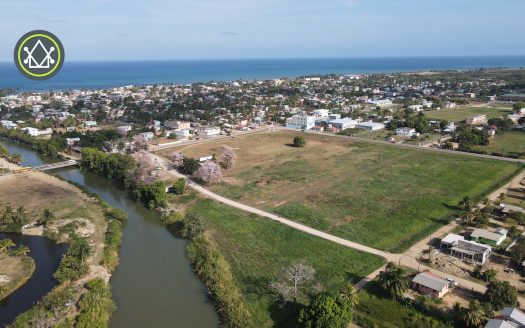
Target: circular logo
{"x":39,"y":55}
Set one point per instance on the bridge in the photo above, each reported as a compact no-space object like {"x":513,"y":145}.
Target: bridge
{"x":54,"y":166}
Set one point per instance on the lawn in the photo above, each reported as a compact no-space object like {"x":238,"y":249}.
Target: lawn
{"x":379,"y":195}
{"x":257,"y":249}
{"x":509,"y":143}
{"x":461,"y":113}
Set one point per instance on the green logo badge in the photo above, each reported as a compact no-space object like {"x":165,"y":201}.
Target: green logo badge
{"x":39,"y":55}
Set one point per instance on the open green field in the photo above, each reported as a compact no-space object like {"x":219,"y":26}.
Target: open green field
{"x":379,"y":195}
{"x":257,"y":249}
{"x":508,"y":143}
{"x":461,"y":113}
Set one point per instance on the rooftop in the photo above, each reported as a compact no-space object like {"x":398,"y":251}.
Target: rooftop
{"x":431,"y":281}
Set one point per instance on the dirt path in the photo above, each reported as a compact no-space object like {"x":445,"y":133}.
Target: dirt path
{"x":407,"y":259}
{"x":514,"y":183}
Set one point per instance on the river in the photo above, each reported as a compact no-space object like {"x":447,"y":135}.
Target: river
{"x":154,"y":285}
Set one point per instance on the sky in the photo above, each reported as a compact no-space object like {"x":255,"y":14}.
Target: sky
{"x":231,"y":29}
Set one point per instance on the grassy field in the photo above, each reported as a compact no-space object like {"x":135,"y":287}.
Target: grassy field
{"x":461,"y":113}
{"x":509,"y":143}
{"x":383,"y":196}
{"x":14,"y":272}
{"x":257,"y":249}
{"x":377,"y":308}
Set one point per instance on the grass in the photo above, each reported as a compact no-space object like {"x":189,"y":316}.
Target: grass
{"x":508,"y":143}
{"x":17,"y":270}
{"x":461,"y":113}
{"x":257,"y":249}
{"x":379,"y":195}
{"x":375,"y":307}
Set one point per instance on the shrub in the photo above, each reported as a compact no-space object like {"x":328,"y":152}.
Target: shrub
{"x":299,"y":141}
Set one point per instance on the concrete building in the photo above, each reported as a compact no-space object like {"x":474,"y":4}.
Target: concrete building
{"x":406,"y":132}
{"x":175,"y":125}
{"x":487,"y":237}
{"x":343,"y":123}
{"x":208,"y":131}
{"x":300,"y":122}
{"x":371,"y":126}
{"x":457,"y":246}
{"x":430,"y":284}
{"x":477,"y":120}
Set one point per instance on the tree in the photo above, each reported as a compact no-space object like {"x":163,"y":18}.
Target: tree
{"x":501,"y":294}
{"x":179,"y":186}
{"x":518,"y":251}
{"x":417,"y":320}
{"x":518,"y":105}
{"x":192,"y":227}
{"x":489,"y":275}
{"x":189,"y":165}
{"x":521,"y":120}
{"x":6,"y":244}
{"x":480,"y":218}
{"x":349,"y":295}
{"x":326,"y":312}
{"x":46,"y":218}
{"x":466,"y":203}
{"x":177,"y":159}
{"x":299,"y":141}
{"x":393,"y":281}
{"x":474,"y":316}
{"x":295,"y":281}
{"x":209,"y":173}
{"x":227,"y":158}
{"x":20,"y":251}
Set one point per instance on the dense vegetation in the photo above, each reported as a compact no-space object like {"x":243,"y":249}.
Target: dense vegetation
{"x":46,"y":147}
{"x":12,"y":220}
{"x":73,"y":264}
{"x":116,"y":219}
{"x":95,"y":306}
{"x":111,"y":166}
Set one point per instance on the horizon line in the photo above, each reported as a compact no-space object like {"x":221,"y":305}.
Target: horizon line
{"x":282,"y":58}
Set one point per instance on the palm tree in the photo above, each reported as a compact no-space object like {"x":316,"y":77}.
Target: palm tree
{"x":501,"y":197}
{"x":6,"y":244}
{"x":20,"y":214}
{"x":393,"y":281}
{"x":349,"y":295}
{"x":480,"y":218}
{"x":468,"y":217}
{"x":474,"y":316}
{"x":20,"y":251}
{"x":46,"y":218}
{"x":466,"y":203}
{"x":7,"y":216}
{"x":417,"y":320}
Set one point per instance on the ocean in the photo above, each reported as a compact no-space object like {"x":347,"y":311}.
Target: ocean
{"x":98,"y":75}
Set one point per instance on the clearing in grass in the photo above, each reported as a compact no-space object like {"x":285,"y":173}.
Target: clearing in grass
{"x":380,"y":195}
{"x":257,"y":249}
{"x":507,"y":143}
{"x":461,"y":113}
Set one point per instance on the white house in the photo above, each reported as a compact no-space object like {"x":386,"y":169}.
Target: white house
{"x":90,"y":124}
{"x":300,"y":122}
{"x":147,"y":135}
{"x":34,"y":132}
{"x":8,"y":124}
{"x":124,"y":129}
{"x":321,"y":112}
{"x":416,"y":108}
{"x":406,"y":132}
{"x":208,"y":131}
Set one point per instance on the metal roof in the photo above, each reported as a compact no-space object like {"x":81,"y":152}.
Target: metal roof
{"x":498,"y":323}
{"x":429,"y":280}
{"x":514,"y":314}
{"x":482,"y":233}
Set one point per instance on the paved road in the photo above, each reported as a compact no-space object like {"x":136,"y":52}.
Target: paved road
{"x":406,"y":259}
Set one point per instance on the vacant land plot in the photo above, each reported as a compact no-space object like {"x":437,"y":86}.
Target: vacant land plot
{"x":379,"y":195}
{"x":258,"y":249}
{"x":510,"y":143}
{"x":14,"y":272}
{"x":37,"y":191}
{"x":460,"y":114}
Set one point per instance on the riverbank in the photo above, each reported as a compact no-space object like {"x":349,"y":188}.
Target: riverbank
{"x":60,"y":211}
{"x":15,"y":271}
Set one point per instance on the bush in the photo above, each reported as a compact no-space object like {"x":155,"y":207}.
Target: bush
{"x":189,"y":165}
{"x":96,"y":305}
{"x":179,"y":186}
{"x":299,"y":141}
{"x":73,"y":264}
{"x":112,"y":242}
